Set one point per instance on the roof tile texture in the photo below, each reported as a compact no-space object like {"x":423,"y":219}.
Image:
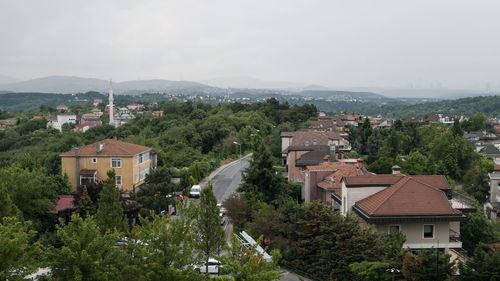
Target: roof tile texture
{"x":110,"y":148}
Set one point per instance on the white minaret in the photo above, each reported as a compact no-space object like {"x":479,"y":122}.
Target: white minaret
{"x":111,"y":111}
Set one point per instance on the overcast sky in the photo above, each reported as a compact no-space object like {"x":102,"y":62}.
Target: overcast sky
{"x":454,"y":44}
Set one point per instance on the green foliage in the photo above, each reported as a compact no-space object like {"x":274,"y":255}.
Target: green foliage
{"x":32,"y":190}
{"x":415,"y":164}
{"x":19,"y":256}
{"x":165,"y":253}
{"x":477,"y":229}
{"x":157,"y":194}
{"x":457,"y":129}
{"x":371,"y":271}
{"x":86,"y":253}
{"x":246,"y":264}
{"x":7,"y":207}
{"x":475,"y":180}
{"x":484,"y":266}
{"x":477,"y":122}
{"x":429,"y":264}
{"x":85,"y":206}
{"x":260,"y":178}
{"x":238,"y":211}
{"x":210,"y":235}
{"x":383,"y":165}
{"x":374,"y":143}
{"x":270,"y":223}
{"x":109,"y":215}
{"x":326,"y":243}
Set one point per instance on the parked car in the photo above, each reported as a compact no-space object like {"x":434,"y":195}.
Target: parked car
{"x":213,"y":266}
{"x":222,"y":210}
{"x":222,"y":220}
{"x":195,"y":191}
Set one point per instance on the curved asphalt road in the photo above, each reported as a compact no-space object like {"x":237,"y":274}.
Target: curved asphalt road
{"x":225,"y":183}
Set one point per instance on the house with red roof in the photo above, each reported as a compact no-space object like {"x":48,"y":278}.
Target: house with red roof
{"x":131,"y":163}
{"x":62,"y":107}
{"x":419,"y":206}
{"x":324,"y":179}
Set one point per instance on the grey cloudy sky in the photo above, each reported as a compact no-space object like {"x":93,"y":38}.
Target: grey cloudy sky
{"x":455,"y":44}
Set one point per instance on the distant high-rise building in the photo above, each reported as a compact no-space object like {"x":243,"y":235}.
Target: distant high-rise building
{"x":111,"y":106}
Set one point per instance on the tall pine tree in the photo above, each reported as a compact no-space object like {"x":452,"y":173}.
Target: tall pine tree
{"x":7,"y":207}
{"x":261,"y":177}
{"x":110,"y":211}
{"x":210,"y":233}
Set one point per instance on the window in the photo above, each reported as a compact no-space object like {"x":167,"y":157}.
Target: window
{"x":393,"y":228}
{"x":116,"y":163}
{"x":94,"y":160}
{"x":428,"y":231}
{"x":143,"y":157}
{"x":119,"y":182}
{"x":143,"y":173}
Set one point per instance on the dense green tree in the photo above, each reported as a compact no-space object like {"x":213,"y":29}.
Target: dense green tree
{"x":326,"y":243}
{"x":32,"y":191}
{"x":429,"y":264}
{"x":270,"y":223}
{"x":475,"y":180}
{"x":246,"y":264}
{"x":109,"y":215}
{"x":85,"y":206}
{"x":415,"y":164}
{"x":158,"y":193}
{"x":477,"y":229}
{"x":366,"y":131}
{"x":19,"y":256}
{"x":371,"y":271}
{"x":457,"y":128}
{"x":86,"y":253}
{"x":484,"y":266}
{"x":260,"y":178}
{"x":7,"y":207}
{"x":238,"y":211}
{"x":452,"y":155}
{"x":166,"y":253}
{"x":210,"y":235}
{"x":478,"y":122}
{"x":374,"y":143}
{"x":383,"y":165}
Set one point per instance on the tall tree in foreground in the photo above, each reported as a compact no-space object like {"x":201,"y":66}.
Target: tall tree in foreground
{"x":7,"y":207}
{"x":110,"y":211}
{"x":168,"y":251}
{"x":247,"y":264}
{"x":86,"y":254}
{"x":484,"y":266}
{"x":261,"y":177}
{"x":18,"y":255}
{"x":210,"y":233}
{"x":429,"y":264}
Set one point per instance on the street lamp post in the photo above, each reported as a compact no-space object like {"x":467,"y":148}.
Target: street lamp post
{"x":239,"y":145}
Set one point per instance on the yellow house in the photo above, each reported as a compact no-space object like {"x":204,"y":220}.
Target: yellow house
{"x":131,"y":163}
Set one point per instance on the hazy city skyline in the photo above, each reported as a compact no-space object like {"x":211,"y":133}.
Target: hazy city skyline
{"x":339,"y":44}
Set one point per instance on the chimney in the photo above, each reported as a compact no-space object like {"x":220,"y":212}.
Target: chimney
{"x":360,"y":163}
{"x":77,"y":168}
{"x":396,"y":170}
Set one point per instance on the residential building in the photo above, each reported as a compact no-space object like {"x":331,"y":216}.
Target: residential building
{"x":440,"y":118}
{"x":62,"y":107}
{"x":58,"y":121}
{"x":419,"y":206}
{"x":90,"y":118}
{"x":135,"y":107}
{"x":324,"y":179}
{"x":493,"y":206}
{"x":123,"y":116}
{"x":97,"y":112}
{"x":158,"y":113}
{"x":97,"y":102}
{"x":131,"y":163}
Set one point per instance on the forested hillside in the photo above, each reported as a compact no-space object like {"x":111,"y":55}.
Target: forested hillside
{"x":488,"y":105}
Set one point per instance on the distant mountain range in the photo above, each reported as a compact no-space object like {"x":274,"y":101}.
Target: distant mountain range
{"x":71,"y":85}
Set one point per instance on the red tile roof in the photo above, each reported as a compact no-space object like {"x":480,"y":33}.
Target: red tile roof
{"x":373,"y":180}
{"x":408,"y":196}
{"x":438,"y":181}
{"x":110,"y":148}
{"x":301,"y":138}
{"x":64,"y":202}
{"x":497,"y":168}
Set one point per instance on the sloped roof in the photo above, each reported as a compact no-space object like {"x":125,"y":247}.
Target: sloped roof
{"x":64,"y":202}
{"x":490,"y":150}
{"x":438,"y":181}
{"x":304,"y":138}
{"x":110,"y":148}
{"x":408,"y":196}
{"x":373,"y":180}
{"x":313,"y":157}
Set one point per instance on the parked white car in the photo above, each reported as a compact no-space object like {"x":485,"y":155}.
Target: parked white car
{"x":195,"y":191}
{"x":213,"y":266}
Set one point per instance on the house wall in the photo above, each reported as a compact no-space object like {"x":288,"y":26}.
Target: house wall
{"x":285,"y":142}
{"x":293,"y":171}
{"x":128,"y":170}
{"x":414,"y":232}
{"x":495,"y":187}
{"x":353,"y":194}
{"x":310,"y":191}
